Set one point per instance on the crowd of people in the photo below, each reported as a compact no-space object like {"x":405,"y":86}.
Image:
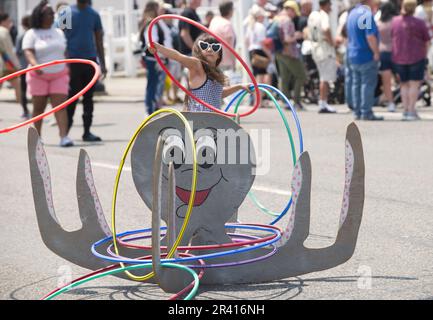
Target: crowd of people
{"x":378,"y":48}
{"x":43,"y":41}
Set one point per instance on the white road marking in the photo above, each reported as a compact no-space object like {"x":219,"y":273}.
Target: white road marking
{"x":272,"y":190}
{"x":255,"y":188}
{"x":109,"y":166}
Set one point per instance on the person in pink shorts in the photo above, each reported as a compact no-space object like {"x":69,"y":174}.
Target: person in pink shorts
{"x":44,"y":43}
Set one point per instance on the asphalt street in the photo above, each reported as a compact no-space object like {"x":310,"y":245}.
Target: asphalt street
{"x":393,"y":256}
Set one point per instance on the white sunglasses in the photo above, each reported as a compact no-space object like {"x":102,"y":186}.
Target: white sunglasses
{"x":216,"y":47}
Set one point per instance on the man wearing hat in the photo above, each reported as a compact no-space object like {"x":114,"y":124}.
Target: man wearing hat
{"x":323,"y":51}
{"x":290,"y":65}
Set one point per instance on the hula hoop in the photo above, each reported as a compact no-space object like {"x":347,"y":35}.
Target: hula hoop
{"x":60,"y":106}
{"x":264,"y":87}
{"x":187,"y":92}
{"x":191,"y":198}
{"x":124,"y":240}
{"x":110,"y":271}
{"x":204,"y":256}
{"x":126,"y":244}
{"x":204,"y":266}
{"x":218,"y":265}
{"x":251,"y":194}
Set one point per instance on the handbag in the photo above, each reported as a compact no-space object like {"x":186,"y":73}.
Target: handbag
{"x":259,"y":61}
{"x":8,"y":66}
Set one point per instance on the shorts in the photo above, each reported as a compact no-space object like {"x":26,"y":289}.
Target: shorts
{"x":327,"y":69}
{"x":48,"y":83}
{"x":385,"y":61}
{"x":411,"y":72}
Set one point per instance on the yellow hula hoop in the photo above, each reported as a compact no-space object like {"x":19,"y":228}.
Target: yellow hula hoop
{"x":191,"y":198}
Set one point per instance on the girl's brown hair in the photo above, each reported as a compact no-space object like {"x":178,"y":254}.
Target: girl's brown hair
{"x":213,"y":72}
{"x":150,"y":12}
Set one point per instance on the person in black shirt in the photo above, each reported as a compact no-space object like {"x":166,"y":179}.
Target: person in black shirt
{"x":189,"y":33}
{"x":301,"y":21}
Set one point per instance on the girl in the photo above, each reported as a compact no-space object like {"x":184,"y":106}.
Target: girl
{"x":206,"y":81}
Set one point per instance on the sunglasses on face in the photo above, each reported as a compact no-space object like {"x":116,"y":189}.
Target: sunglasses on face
{"x":216,"y":47}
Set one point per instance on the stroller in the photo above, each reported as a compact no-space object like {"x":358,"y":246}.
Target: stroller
{"x":311,"y":87}
{"x":424,"y":93}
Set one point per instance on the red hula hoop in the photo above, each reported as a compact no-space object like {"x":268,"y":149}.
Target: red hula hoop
{"x":204,"y":29}
{"x":60,"y":106}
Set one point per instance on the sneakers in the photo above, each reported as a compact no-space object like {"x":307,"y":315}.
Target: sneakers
{"x":372,"y":117}
{"x":66,"y":142}
{"x":90,"y":137}
{"x":391,"y":107}
{"x":326,"y":108}
{"x":410,"y":116}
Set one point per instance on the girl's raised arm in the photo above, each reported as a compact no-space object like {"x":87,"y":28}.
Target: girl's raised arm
{"x":191,"y":63}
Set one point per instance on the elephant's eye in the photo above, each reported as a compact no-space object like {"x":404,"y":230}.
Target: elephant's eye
{"x":174,"y":151}
{"x":206,"y":152}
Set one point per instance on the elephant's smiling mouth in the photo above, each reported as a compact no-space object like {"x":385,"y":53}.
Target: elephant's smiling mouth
{"x":200,"y":195}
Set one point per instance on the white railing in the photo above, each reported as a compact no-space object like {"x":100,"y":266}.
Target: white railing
{"x":121,"y":37}
{"x":120,"y":40}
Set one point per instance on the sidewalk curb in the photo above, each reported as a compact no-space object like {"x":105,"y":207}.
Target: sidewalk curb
{"x":100,"y":99}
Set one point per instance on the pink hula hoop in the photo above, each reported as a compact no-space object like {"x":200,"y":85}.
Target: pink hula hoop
{"x":60,"y":106}
{"x":204,"y":29}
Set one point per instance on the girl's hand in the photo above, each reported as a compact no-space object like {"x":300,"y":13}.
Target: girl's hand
{"x":247,"y":87}
{"x":39,"y":72}
{"x":152,"y":50}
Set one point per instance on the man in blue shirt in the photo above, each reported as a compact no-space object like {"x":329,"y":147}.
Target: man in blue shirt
{"x":85,"y":41}
{"x":363,"y":56}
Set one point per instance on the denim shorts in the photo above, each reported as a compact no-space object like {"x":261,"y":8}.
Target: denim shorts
{"x":411,"y":72}
{"x":385,"y":61}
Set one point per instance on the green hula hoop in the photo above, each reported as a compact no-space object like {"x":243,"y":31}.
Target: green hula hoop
{"x":251,"y":194}
{"x":133,"y":267}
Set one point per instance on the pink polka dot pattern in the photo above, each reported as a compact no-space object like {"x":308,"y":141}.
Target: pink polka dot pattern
{"x":296,"y":188}
{"x":350,"y":160}
{"x":44,"y":170}
{"x":100,"y":213}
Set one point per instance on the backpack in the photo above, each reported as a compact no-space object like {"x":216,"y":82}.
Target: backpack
{"x":273,"y":32}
